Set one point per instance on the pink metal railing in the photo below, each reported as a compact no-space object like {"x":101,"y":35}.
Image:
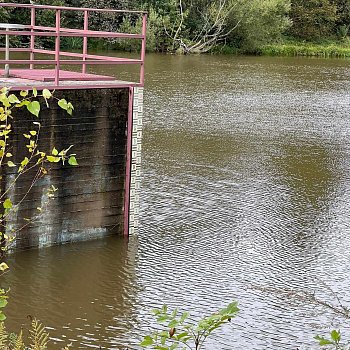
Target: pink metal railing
{"x":84,"y":59}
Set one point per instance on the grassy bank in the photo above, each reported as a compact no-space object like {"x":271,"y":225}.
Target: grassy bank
{"x":334,"y":49}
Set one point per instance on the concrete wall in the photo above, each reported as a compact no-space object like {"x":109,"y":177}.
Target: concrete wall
{"x":89,"y":201}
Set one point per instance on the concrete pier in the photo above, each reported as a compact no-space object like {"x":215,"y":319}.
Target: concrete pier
{"x":90,"y":199}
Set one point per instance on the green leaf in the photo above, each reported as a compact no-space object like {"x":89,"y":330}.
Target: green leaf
{"x":34,"y":108}
{"x":13,"y":99}
{"x":164,"y":308}
{"x":173,"y":346}
{"x":23,"y":103}
{"x":3,"y":266}
{"x":184,"y":316}
{"x":53,"y":159}
{"x":54,"y":152}
{"x":63,"y":103}
{"x":173,"y":324}
{"x":47,"y":94}
{"x":147,"y":341}
{"x":11,"y":164}
{"x":72,"y":161}
{"x":33,"y":132}
{"x":3,"y":302}
{"x":335,"y":335}
{"x":24,"y":93}
{"x":162,"y":318}
{"x":7,"y":204}
{"x":323,"y":341}
{"x":35,"y":92}
{"x":2,"y":317}
{"x":181,"y":335}
{"x":70,"y":108}
{"x":24,"y":162}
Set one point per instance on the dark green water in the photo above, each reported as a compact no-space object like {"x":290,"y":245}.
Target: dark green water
{"x":246,"y":166}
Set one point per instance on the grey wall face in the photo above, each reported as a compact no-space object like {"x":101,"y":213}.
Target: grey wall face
{"x":89,"y":199}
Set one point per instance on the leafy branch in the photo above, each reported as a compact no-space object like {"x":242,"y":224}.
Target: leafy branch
{"x":178,"y":333}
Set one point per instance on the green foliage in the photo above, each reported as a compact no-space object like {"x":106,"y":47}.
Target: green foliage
{"x":260,"y":23}
{"x":313,"y":19}
{"x":38,"y":338}
{"x":185,"y":25}
{"x":333,"y":340}
{"x":305,"y":49}
{"x":179,"y":333}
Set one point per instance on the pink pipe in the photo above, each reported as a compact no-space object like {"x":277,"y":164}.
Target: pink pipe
{"x":74,"y":33}
{"x":143,"y":49}
{"x":57,"y":48}
{"x":80,"y":55}
{"x":16,"y":49}
{"x":66,"y":8}
{"x":85,"y":40}
{"x":72,"y":62}
{"x":72,"y":86}
{"x":32,"y":37}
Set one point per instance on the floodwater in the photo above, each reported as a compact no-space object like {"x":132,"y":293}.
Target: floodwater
{"x":245,"y":196}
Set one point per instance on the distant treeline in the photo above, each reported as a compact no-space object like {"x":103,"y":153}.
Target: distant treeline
{"x":205,"y":25}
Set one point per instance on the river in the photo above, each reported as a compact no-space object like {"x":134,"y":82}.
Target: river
{"x":246,"y":166}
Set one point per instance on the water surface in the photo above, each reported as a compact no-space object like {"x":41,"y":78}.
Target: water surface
{"x":246,"y":164}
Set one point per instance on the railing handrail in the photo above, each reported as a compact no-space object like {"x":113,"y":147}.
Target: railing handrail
{"x":68,"y":8}
{"x":32,"y":30}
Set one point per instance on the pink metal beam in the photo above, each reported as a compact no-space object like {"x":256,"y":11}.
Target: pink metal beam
{"x":16,"y":49}
{"x":75,"y":86}
{"x":75,"y":62}
{"x":66,"y":8}
{"x":32,"y":37}
{"x":85,"y":40}
{"x":75,"y":33}
{"x":89,"y":33}
{"x":57,"y":47}
{"x":80,"y":55}
{"x":143,"y":49}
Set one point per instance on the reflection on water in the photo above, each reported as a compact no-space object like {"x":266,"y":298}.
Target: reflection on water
{"x":245,"y":183}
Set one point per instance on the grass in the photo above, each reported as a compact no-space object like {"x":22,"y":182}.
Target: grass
{"x":340,"y":49}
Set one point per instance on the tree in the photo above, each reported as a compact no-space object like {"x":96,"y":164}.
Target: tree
{"x":262,"y":22}
{"x":313,"y":19}
{"x":343,"y":17}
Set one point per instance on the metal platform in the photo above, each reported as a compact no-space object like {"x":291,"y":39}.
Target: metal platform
{"x":48,"y":75}
{"x":56,"y":58}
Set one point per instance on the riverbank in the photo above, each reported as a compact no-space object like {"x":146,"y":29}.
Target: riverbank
{"x":341,"y":50}
{"x":329,"y":49}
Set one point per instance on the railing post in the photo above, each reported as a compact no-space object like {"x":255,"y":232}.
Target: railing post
{"x":143,"y":49}
{"x":7,"y":54}
{"x":57,"y":47}
{"x":85,"y":39}
{"x":32,"y":37}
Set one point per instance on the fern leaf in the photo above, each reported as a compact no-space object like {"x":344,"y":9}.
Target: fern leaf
{"x":37,"y":336}
{"x":3,"y":336}
{"x":18,"y":343}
